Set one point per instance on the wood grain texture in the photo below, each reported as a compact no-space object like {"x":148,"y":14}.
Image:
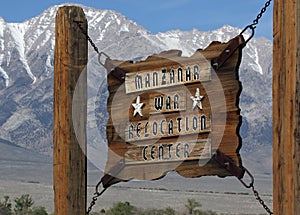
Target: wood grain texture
{"x":70,"y":113}
{"x":286,"y":103}
{"x":173,"y":75}
{"x":218,"y":102}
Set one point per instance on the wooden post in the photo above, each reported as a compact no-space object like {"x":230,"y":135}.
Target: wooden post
{"x":70,"y":113}
{"x":286,"y":107}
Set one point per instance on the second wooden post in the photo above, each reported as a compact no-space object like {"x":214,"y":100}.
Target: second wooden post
{"x":70,"y":112}
{"x":286,"y":107}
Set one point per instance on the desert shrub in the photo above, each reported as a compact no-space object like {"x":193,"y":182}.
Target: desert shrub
{"x":39,"y":211}
{"x":121,"y":208}
{"x":5,"y":206}
{"x":193,"y":208}
{"x":125,"y":208}
{"x":167,"y":211}
{"x":23,"y":205}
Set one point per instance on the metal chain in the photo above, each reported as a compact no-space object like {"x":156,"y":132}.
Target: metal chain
{"x":255,"y":21}
{"x":252,"y":26}
{"x":97,"y":194}
{"x":100,"y":54}
{"x":255,"y":192}
{"x":93,"y":202}
{"x":263,"y":10}
{"x":87,"y":36}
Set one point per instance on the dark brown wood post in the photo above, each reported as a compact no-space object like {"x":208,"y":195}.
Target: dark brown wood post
{"x":286,"y":107}
{"x":70,"y":113}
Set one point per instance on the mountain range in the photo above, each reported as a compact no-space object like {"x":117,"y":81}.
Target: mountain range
{"x":26,"y":75}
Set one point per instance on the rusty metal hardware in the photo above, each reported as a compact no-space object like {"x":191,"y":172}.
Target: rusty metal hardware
{"x":251,"y":27}
{"x":107,"y":63}
{"x":87,"y":36}
{"x":229,"y":165}
{"x":255,"y":192}
{"x":107,"y":180}
{"x":97,"y":194}
{"x":237,"y":42}
{"x":239,"y":172}
{"x":255,"y":21}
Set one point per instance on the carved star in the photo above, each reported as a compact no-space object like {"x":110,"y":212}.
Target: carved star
{"x":138,"y":107}
{"x":197,"y":100}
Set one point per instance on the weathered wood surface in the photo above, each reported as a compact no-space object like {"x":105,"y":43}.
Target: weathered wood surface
{"x":167,"y":152}
{"x":214,"y":99}
{"x":176,"y":100}
{"x":69,"y":113}
{"x":286,"y":107}
{"x":157,"y":127}
{"x":173,"y":76}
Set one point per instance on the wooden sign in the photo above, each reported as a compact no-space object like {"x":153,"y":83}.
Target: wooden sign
{"x":172,"y":113}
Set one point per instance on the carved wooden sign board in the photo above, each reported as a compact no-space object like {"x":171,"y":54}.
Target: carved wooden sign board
{"x":172,"y":113}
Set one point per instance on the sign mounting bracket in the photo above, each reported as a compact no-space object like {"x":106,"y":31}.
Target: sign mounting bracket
{"x":229,"y":165}
{"x":235,"y":43}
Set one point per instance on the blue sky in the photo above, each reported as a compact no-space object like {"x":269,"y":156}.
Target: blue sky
{"x":161,"y":15}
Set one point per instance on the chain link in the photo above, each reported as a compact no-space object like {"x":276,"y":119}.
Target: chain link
{"x":93,"y":202}
{"x":252,"y":26}
{"x":256,"y":194}
{"x":263,"y":10}
{"x":97,"y":194}
{"x":87,"y":36}
{"x":255,"y":21}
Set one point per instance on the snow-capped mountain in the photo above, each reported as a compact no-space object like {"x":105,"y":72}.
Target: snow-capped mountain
{"x":26,"y":71}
